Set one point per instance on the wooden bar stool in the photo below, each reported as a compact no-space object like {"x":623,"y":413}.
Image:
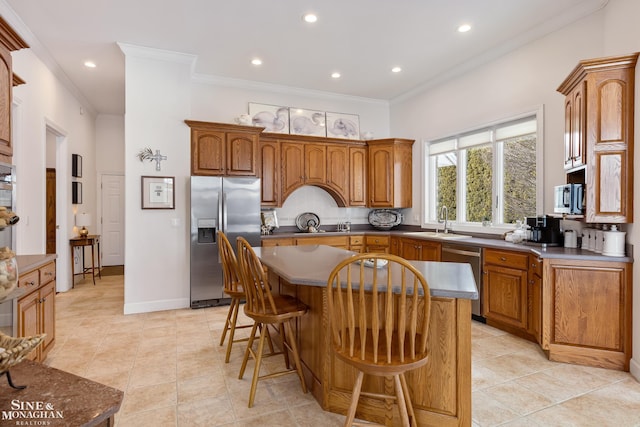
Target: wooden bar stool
{"x":381,"y":330}
{"x":267,"y":309}
{"x":232,"y":287}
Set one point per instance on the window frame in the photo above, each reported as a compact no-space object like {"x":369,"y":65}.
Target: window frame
{"x":429,"y":214}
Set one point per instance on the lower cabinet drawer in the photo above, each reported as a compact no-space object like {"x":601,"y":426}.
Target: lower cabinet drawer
{"x":47,"y":273}
{"x":29,"y":280}
{"x":506,"y":259}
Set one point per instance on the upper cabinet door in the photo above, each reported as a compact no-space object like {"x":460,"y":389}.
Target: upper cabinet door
{"x":221,"y":149}
{"x":338,"y":169}
{"x":599,"y":113}
{"x":390,"y":173}
{"x":241,"y":152}
{"x":5,"y":102}
{"x":292,"y":163}
{"x":207,"y":152}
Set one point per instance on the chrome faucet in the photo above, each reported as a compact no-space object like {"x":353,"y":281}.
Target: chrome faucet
{"x":444,"y":212}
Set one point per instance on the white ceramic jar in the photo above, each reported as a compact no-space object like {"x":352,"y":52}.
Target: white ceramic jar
{"x":570,"y":239}
{"x":599,"y":241}
{"x":614,"y":242}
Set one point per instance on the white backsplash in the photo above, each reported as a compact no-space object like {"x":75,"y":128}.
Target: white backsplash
{"x":314,"y":199}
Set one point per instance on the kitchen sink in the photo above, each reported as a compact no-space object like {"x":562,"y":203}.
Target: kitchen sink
{"x":433,"y":234}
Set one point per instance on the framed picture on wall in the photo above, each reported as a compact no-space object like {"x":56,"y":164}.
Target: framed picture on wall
{"x":273,"y":118}
{"x":340,"y":125}
{"x":157,"y":192}
{"x":76,"y":193}
{"x":76,"y":165}
{"x":307,"y":122}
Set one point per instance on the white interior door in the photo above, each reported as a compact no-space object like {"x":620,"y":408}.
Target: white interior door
{"x":112,"y":241}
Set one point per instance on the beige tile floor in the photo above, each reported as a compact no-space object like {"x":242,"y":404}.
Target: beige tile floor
{"x":173,"y":373}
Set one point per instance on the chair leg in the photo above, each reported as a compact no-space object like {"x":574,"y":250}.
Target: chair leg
{"x":232,"y":332}
{"x":407,"y":398}
{"x":227,"y":322}
{"x":248,"y":350}
{"x":285,"y":351}
{"x":402,"y":404}
{"x":294,"y":353}
{"x":256,"y":369}
{"x":355,"y":396}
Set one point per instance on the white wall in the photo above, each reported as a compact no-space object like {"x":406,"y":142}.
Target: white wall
{"x":109,"y":144}
{"x":519,"y":82}
{"x":516,"y":83}
{"x":158,"y":100}
{"x":160,"y":95}
{"x":622,"y":35}
{"x":40,"y":103}
{"x":213,"y":102}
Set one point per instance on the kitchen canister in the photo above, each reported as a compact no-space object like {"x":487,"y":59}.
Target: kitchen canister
{"x":614,"y":241}
{"x":586,"y":239}
{"x":570,"y":239}
{"x":599,"y":241}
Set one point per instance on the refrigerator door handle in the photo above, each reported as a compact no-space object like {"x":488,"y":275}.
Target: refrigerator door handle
{"x":224,"y":211}
{"x":221,"y":224}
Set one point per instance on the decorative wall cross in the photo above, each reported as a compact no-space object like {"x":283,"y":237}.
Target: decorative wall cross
{"x":147,"y":154}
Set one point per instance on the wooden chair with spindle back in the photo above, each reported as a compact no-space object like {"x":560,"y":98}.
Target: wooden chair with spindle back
{"x":232,"y":287}
{"x":267,"y":309}
{"x":379,"y":309}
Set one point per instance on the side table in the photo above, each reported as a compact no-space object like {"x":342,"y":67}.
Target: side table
{"x":92,"y":240}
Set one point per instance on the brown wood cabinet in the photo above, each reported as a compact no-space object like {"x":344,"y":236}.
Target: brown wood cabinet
{"x":587,"y":312}
{"x":574,"y":127}
{"x":302,"y":164}
{"x":281,"y":241}
{"x":604,"y":87}
{"x":419,"y":250}
{"x":36,"y":309}
{"x":390,"y":173}
{"x":270,"y":173}
{"x":357,"y":176}
{"x":505,"y":293}
{"x":9,"y":41}
{"x":376,"y":244}
{"x":356,"y":243}
{"x":336,"y":241}
{"x":534,"y":298}
{"x":338,"y":169}
{"x":220,"y":149}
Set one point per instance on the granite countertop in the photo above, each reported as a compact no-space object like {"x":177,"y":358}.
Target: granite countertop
{"x":31,"y":262}
{"x":485,"y":241}
{"x":64,"y":399}
{"x":311,"y":265}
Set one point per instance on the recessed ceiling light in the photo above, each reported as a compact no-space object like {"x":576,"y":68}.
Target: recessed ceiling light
{"x":90,"y":64}
{"x":396,"y":69}
{"x":256,"y":61}
{"x":464,"y":28}
{"x":335,"y":75}
{"x":310,"y":18}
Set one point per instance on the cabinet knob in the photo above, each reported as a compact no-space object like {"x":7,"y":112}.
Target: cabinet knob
{"x":502,"y":259}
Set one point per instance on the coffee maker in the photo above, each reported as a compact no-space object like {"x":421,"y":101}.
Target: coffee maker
{"x":545,"y":230}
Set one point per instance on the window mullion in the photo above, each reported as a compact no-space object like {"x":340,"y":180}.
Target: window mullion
{"x":461,"y":202}
{"x":498,"y":183}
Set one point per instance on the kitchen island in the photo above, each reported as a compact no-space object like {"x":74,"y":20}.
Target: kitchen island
{"x":440,"y":391}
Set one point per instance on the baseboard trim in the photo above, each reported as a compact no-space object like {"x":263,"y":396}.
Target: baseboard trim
{"x":160,"y":305}
{"x":634,"y":369}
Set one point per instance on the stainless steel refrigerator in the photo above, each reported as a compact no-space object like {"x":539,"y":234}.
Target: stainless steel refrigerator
{"x":228,"y":204}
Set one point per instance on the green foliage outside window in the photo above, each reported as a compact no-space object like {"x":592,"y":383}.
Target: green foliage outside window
{"x":479,"y":178}
{"x":519,"y":178}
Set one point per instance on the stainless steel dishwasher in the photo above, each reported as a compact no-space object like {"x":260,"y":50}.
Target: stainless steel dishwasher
{"x":457,"y":252}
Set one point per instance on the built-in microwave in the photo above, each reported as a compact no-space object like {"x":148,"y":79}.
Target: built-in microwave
{"x":569,"y":199}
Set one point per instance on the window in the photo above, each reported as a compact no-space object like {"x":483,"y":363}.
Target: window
{"x":485,"y":175}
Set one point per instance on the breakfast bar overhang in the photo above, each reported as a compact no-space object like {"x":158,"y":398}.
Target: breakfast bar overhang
{"x":440,"y":391}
